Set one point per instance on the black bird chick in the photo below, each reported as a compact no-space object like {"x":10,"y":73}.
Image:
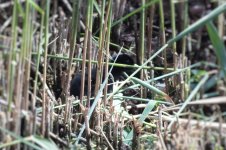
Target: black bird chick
{"x":117,"y":73}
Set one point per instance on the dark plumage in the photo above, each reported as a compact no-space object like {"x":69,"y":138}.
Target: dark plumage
{"x":116,"y":72}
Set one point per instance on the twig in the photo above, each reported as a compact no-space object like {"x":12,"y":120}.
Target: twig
{"x":109,"y":144}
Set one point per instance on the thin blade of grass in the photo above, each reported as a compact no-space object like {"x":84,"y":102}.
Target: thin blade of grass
{"x":23,"y":140}
{"x":11,"y":79}
{"x":97,"y":7}
{"x":218,"y":45}
{"x":201,"y":22}
{"x":143,"y":116}
{"x":167,"y":75}
{"x":154,"y":89}
{"x":36,"y":7}
{"x":193,"y":93}
{"x":44,"y":143}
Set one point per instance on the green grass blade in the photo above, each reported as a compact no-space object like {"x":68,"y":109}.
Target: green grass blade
{"x":218,"y":45}
{"x":36,"y":7}
{"x":97,"y":7}
{"x":190,"y":97}
{"x":220,"y":9}
{"x":143,"y":116}
{"x":18,"y":138}
{"x":44,"y":143}
{"x":154,"y":89}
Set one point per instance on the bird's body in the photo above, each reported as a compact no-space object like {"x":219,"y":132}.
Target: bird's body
{"x":116,"y":72}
